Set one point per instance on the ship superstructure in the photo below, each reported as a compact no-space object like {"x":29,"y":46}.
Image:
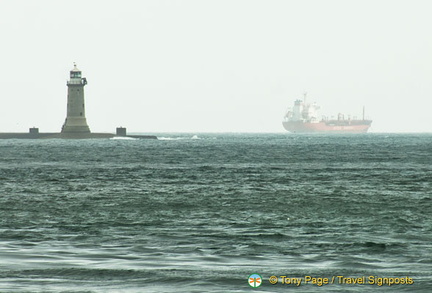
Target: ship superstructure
{"x":304,"y":117}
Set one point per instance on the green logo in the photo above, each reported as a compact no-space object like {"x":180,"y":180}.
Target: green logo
{"x":254,"y":280}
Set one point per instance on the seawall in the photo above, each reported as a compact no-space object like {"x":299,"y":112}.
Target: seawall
{"x":51,"y":135}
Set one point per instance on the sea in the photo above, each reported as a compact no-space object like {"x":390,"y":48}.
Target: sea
{"x":224,"y":212}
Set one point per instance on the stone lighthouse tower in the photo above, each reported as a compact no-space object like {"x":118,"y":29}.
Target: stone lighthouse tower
{"x":75,"y":118}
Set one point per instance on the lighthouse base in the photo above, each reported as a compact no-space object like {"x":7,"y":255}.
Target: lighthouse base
{"x":75,"y":125}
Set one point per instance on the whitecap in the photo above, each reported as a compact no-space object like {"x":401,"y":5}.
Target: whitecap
{"x":123,"y":138}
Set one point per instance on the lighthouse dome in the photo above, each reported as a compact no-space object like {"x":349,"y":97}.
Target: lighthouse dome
{"x":75,"y":69}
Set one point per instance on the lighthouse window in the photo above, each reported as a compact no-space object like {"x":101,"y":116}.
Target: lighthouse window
{"x":75,"y":74}
{"x":81,"y":114}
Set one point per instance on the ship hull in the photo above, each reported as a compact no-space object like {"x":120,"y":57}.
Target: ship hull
{"x":352,"y":126}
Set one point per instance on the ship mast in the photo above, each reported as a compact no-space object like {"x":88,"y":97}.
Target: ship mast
{"x":363,"y":112}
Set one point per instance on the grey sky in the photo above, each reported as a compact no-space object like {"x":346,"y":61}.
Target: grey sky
{"x":216,"y":66}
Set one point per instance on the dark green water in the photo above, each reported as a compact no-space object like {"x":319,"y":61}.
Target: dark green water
{"x":201,"y":215}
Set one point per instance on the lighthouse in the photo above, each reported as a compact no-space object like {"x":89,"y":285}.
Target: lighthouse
{"x":75,"y":118}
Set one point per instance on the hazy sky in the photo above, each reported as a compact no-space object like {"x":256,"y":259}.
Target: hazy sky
{"x":215,"y":66}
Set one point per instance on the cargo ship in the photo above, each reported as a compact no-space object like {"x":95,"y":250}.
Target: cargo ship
{"x":303,"y":118}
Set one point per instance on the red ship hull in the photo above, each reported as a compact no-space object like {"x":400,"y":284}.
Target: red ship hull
{"x":333,"y":126}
